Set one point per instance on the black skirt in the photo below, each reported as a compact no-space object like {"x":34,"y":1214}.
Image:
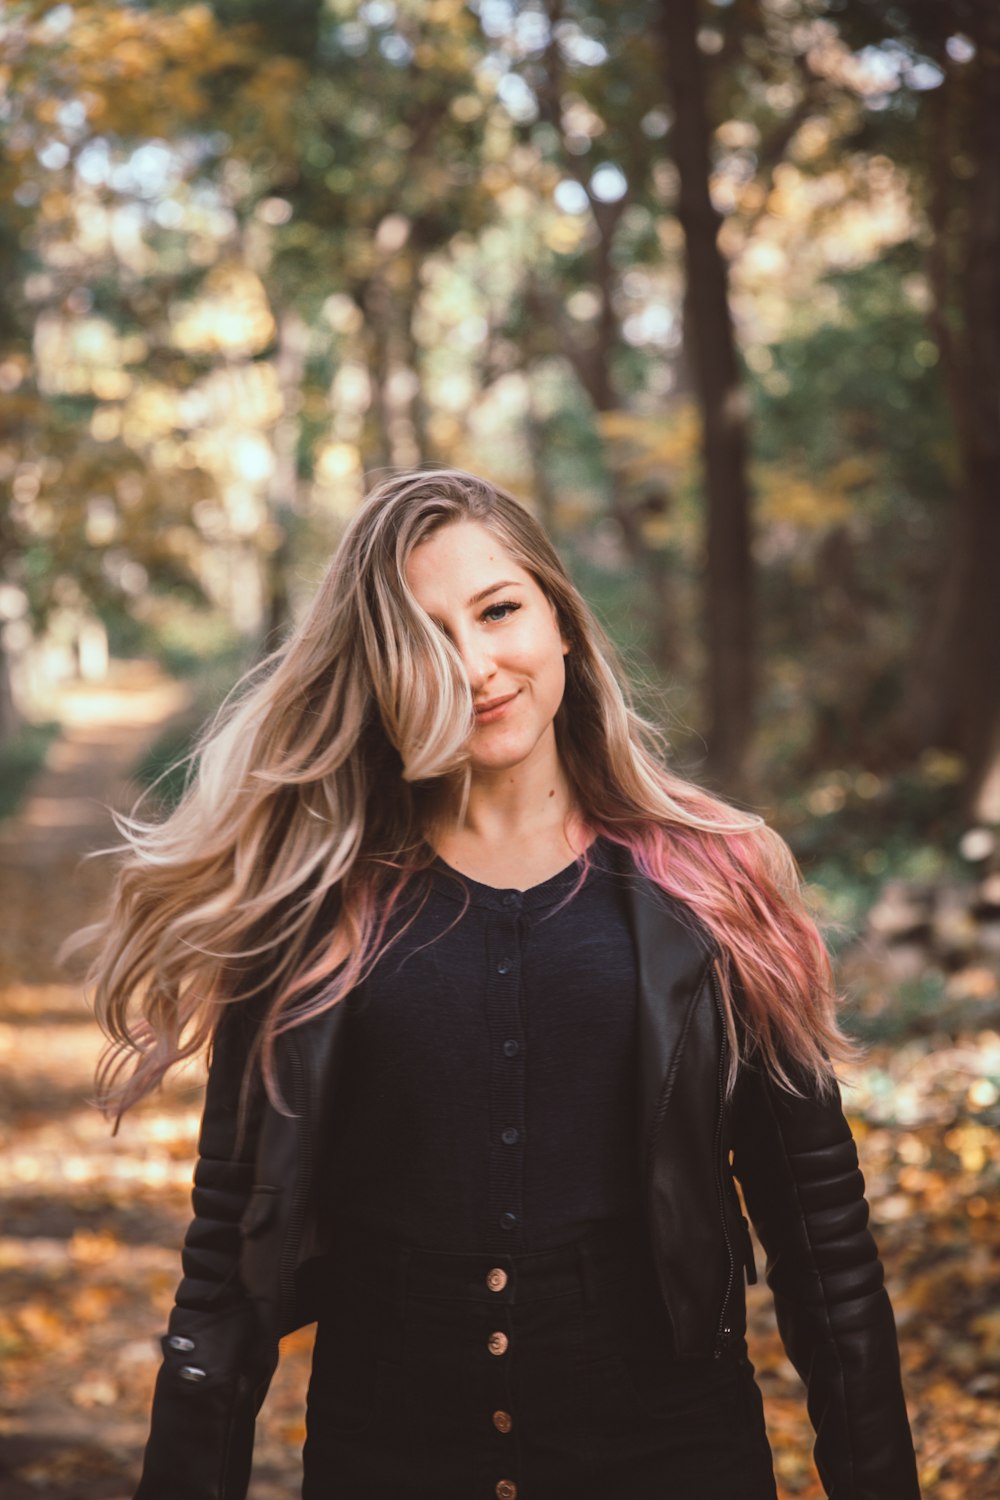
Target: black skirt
{"x":528,"y":1377}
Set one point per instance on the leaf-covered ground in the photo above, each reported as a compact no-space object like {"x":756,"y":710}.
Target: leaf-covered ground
{"x":89,"y":1225}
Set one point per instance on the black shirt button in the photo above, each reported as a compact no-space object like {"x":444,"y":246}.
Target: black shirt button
{"x":511,"y":1049}
{"x":511,"y":898}
{"x":508,"y":1221}
{"x":505,"y":965}
{"x":509,"y":1136}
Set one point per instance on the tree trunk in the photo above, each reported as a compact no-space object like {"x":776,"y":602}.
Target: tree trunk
{"x":284,"y":484}
{"x":10,"y":719}
{"x":710,"y":345}
{"x":954,"y":695}
{"x":377,"y":306}
{"x":418,"y":413}
{"x":534,"y":434}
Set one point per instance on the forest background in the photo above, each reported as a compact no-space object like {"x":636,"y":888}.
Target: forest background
{"x":714,"y":285}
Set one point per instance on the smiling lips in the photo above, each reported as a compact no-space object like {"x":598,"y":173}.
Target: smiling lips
{"x":493,"y":708}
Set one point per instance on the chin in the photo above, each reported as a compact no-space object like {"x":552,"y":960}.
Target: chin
{"x":502,"y":758}
{"x":495,"y":763}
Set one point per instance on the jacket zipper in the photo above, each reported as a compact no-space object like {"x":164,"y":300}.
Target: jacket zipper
{"x":723,"y":1332}
{"x":296,"y":1217}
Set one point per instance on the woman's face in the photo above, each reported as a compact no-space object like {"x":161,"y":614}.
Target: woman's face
{"x":505,"y":630}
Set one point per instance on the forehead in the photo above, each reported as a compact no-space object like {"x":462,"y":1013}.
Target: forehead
{"x":457,"y":561}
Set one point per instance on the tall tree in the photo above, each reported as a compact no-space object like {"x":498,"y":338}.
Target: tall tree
{"x":711,"y":349}
{"x":954,"y":696}
{"x":947,"y":90}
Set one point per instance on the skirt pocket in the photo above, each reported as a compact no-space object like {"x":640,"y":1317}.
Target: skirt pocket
{"x":356,"y":1445}
{"x":690,"y":1398}
{"x":348,"y":1391}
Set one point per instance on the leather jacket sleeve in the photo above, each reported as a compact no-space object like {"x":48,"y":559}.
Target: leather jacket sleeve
{"x":212,"y":1381}
{"x":798,"y":1166}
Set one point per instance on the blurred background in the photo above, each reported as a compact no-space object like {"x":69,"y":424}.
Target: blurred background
{"x":714,"y":286}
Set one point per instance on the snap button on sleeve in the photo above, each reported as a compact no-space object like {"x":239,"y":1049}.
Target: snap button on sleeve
{"x":182,"y":1345}
{"x":191,"y":1372}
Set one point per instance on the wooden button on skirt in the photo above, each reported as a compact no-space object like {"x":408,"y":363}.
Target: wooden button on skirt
{"x":433,"y":1380}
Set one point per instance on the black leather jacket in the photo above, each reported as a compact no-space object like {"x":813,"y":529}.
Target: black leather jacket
{"x":255,"y":1235}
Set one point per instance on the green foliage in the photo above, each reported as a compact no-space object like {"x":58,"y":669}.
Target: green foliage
{"x":21,"y":757}
{"x":851,"y":831}
{"x":863,"y":383}
{"x":185,"y":639}
{"x":855,"y":462}
{"x":420,"y":186}
{"x":915,"y":1010}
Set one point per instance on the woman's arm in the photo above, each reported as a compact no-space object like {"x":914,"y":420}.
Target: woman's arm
{"x":798,"y":1165}
{"x":214,"y":1374}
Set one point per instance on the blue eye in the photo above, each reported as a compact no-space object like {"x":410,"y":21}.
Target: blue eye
{"x":506,"y":606}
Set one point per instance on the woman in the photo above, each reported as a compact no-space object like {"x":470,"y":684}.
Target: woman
{"x":497,"y":1007}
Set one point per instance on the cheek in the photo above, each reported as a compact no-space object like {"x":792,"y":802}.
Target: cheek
{"x":539,"y":654}
{"x":555,"y":669}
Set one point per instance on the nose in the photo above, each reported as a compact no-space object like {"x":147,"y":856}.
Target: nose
{"x":478,"y":663}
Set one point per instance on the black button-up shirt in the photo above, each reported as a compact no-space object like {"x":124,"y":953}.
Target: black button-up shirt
{"x":488,"y":1097}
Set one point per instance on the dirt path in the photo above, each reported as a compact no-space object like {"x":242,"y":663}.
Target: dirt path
{"x":90,"y":1225}
{"x":75,"y":1232}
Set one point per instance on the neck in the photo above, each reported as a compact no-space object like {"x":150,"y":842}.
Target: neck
{"x":521,"y":802}
{"x":509,"y":809}
{"x":515,"y":831}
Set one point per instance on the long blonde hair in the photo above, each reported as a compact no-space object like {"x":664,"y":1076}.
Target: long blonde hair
{"x":304,"y":818}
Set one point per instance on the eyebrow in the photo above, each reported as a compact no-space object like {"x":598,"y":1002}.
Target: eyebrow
{"x":510,"y":583}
